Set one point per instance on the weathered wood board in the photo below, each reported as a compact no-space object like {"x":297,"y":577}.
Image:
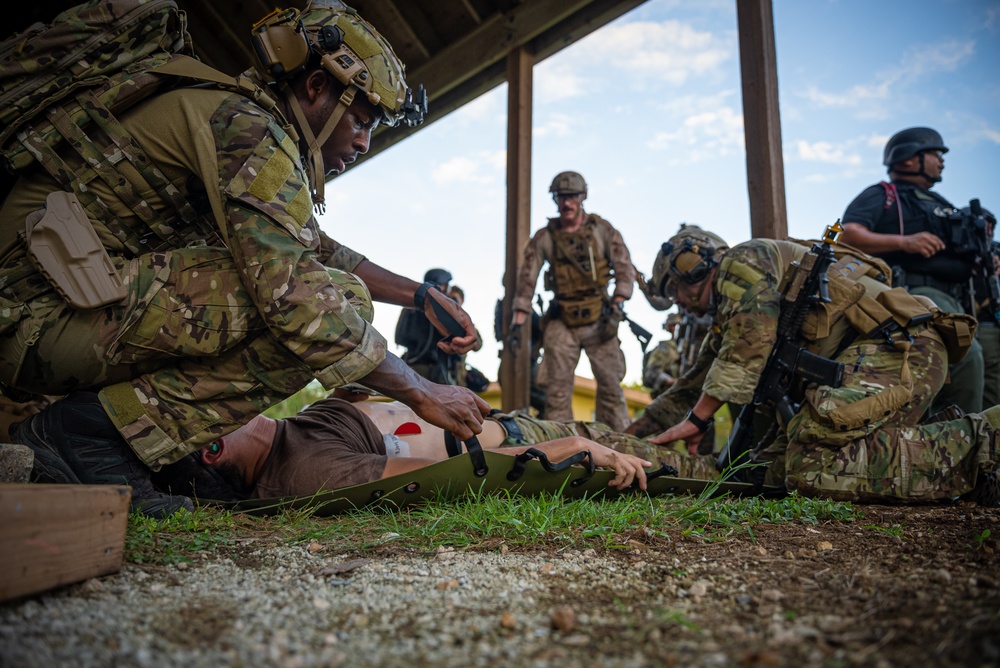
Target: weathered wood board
{"x":52,"y":535}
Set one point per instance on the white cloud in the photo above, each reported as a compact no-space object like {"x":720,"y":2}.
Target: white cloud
{"x":490,"y":106}
{"x":914,"y":65}
{"x":824,"y":151}
{"x":637,"y":55}
{"x":557,"y":82}
{"x":706,"y":132}
{"x":484,"y":167}
{"x":556,"y":125}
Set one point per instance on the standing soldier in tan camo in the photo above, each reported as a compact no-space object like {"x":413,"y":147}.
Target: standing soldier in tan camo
{"x":585,"y":254}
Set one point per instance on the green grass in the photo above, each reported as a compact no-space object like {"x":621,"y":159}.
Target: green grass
{"x":895,"y":530}
{"x":480,"y":522}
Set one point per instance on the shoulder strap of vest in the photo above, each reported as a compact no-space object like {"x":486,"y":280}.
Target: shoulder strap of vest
{"x":892,"y":197}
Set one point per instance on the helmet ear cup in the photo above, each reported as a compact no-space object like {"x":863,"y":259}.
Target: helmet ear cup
{"x":281,"y":48}
{"x":692,"y":262}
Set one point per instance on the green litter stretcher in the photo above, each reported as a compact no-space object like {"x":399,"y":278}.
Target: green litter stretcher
{"x":484,"y":472}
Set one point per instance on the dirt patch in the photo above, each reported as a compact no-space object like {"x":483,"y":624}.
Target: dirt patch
{"x":903,"y":586}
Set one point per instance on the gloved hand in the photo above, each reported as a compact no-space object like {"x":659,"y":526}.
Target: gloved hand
{"x":513,"y":341}
{"x":451,"y":321}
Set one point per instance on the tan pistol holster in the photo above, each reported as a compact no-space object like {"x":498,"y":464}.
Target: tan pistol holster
{"x":64,"y":247}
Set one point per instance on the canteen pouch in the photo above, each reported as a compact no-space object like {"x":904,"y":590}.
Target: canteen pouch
{"x":64,"y":247}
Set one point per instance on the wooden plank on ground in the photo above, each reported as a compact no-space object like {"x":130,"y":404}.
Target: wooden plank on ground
{"x":52,"y":535}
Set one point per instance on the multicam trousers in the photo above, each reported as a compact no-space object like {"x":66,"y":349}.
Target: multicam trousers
{"x":854,"y":443}
{"x":532,"y":431}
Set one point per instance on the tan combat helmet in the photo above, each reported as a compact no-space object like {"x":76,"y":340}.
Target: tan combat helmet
{"x":330,"y":33}
{"x":688,"y":257}
{"x":568,"y":183}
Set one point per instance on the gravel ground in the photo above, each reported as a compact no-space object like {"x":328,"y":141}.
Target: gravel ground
{"x":904,"y":587}
{"x":449,"y":610}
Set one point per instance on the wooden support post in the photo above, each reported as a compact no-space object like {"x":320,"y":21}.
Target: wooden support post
{"x":52,"y":535}
{"x":762,"y":120}
{"x":515,"y":379}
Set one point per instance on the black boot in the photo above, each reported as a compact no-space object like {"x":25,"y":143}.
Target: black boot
{"x":79,"y":431}
{"x":987,"y":490}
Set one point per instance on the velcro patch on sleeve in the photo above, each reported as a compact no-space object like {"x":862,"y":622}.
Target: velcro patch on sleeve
{"x":271,"y":177}
{"x":272,"y":182}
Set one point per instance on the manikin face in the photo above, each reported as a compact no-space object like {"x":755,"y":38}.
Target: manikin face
{"x":570,"y":205}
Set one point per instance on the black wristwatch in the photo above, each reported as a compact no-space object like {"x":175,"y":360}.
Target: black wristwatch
{"x":697,"y":421}
{"x":421,"y":293}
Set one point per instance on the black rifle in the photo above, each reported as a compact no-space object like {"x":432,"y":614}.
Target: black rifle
{"x":692,"y":330}
{"x":644,"y":336}
{"x":985,"y":257}
{"x":788,"y":361}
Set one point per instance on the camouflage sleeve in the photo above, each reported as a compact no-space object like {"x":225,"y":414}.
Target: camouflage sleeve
{"x":619,"y":256}
{"x":274,"y":240}
{"x":747,"y":318}
{"x":334,"y":254}
{"x":534,"y":256}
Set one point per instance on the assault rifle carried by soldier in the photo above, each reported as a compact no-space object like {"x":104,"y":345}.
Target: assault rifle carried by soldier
{"x":841,"y":365}
{"x":789,"y":364}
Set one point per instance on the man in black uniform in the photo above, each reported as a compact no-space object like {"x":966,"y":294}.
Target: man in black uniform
{"x":906,"y":224}
{"x":416,"y":333}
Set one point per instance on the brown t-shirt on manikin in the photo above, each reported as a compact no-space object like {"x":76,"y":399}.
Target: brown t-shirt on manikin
{"x":329,"y":445}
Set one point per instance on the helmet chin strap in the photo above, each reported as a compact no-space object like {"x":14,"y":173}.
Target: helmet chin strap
{"x":920,"y":172}
{"x":315,"y":169}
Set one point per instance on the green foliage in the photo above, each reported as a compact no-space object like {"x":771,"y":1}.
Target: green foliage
{"x":981,"y":538}
{"x":179,"y":537}
{"x":480,"y":521}
{"x":309,"y":394}
{"x":894,"y":530}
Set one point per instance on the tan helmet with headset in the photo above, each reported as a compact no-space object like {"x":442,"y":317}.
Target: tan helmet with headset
{"x":687,"y":257}
{"x":333,"y":36}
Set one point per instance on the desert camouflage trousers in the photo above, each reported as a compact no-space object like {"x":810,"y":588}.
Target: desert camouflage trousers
{"x":532,"y":431}
{"x":176,"y":373}
{"x":562,"y":353}
{"x":858,"y":442}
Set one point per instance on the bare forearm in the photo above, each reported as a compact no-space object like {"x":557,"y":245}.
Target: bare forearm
{"x":864,"y":239}
{"x":385,"y":286}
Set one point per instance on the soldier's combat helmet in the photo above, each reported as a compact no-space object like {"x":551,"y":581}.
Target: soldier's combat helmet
{"x":568,"y":183}
{"x":331,"y":35}
{"x":438,"y":276}
{"x":909,"y":142}
{"x":687,"y":257}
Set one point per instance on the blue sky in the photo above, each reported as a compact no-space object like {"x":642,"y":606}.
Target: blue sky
{"x":649,"y":110}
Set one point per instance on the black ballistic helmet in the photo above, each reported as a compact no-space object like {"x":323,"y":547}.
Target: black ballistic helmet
{"x":907,"y":143}
{"x":437,"y":276}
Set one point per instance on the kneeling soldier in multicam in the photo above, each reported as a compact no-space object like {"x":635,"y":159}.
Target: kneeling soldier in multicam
{"x":859,"y":441}
{"x":227,"y":297}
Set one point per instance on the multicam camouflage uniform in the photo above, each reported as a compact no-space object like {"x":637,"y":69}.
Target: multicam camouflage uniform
{"x":660,"y":365}
{"x":522,"y":430}
{"x":208,"y":334}
{"x":859,"y":441}
{"x":562,"y":343}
